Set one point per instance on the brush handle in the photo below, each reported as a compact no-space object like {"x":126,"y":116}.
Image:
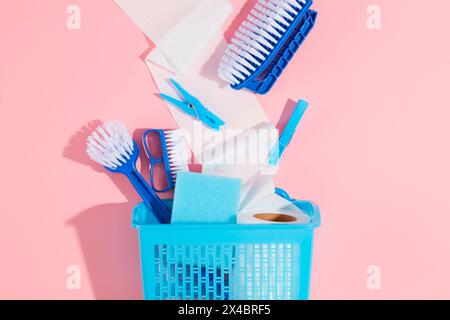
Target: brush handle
{"x":149,"y":196}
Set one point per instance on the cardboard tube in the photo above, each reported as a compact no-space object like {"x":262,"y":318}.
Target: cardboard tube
{"x":272,"y":218}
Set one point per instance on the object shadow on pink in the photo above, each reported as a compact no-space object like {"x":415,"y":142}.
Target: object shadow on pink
{"x":286,"y":115}
{"x":111,"y":250}
{"x":239,"y":19}
{"x":150,"y":48}
{"x":110,"y":246}
{"x":209,"y":69}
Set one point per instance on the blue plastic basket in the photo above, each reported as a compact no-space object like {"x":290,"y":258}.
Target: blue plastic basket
{"x":226,"y":262}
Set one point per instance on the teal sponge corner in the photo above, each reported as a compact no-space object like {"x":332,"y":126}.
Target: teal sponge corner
{"x":204,"y":199}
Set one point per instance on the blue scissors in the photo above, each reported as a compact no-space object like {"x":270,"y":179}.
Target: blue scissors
{"x":158,"y":160}
{"x":193,"y":107}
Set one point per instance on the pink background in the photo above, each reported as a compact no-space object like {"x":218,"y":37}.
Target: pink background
{"x":373,"y":150}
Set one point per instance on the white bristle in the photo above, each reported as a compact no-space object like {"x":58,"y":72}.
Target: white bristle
{"x":236,"y":65}
{"x":248,"y":48}
{"x":285,"y":5}
{"x":177,"y":151}
{"x":295,"y":3}
{"x":223,"y":74}
{"x":231,"y":71}
{"x":110,"y":145}
{"x":257,"y":37}
{"x":259,"y":31}
{"x":272,"y":14}
{"x":241,"y":52}
{"x":239,"y":59}
{"x":252,"y":42}
{"x":264,"y":23}
{"x":277,"y":9}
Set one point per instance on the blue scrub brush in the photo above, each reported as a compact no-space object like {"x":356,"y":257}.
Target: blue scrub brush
{"x":265,"y":43}
{"x":112,"y":146}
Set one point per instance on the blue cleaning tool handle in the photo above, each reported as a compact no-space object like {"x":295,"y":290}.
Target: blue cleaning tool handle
{"x":293,"y":123}
{"x":128,"y":168}
{"x":288,"y":133}
{"x":149,"y":196}
{"x":155,"y":161}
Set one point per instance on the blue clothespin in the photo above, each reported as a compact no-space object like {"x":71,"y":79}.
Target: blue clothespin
{"x":193,"y":107}
{"x":288,"y":133}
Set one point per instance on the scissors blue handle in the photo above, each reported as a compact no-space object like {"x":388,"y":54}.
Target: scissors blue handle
{"x":164,"y":159}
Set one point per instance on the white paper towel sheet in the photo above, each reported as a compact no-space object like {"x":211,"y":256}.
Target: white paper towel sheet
{"x":189,"y":47}
{"x":154,"y":19}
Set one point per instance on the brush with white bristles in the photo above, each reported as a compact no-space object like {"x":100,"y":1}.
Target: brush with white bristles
{"x":177,"y":152}
{"x":267,"y":39}
{"x":112,"y":146}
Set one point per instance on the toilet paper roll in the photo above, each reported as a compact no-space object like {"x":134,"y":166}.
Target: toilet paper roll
{"x":258,"y":217}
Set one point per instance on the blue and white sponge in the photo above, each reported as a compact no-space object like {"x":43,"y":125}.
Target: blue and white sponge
{"x":204,"y":199}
